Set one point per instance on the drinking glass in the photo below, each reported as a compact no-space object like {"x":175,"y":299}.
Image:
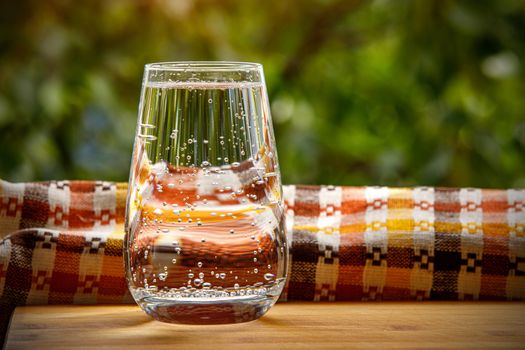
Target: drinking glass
{"x":205,"y":236}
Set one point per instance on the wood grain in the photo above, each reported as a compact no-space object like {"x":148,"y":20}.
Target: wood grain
{"x":435,"y":325}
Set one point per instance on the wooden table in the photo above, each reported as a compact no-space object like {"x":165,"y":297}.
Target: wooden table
{"x":436,"y":325}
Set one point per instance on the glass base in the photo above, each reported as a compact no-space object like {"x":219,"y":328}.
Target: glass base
{"x":205,"y":311}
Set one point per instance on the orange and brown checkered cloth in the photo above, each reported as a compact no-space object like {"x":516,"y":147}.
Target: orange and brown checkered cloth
{"x":61,"y":243}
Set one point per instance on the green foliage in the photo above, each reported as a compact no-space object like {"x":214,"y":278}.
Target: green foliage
{"x":385,"y":92}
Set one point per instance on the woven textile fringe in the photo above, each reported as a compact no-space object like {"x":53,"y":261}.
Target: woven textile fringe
{"x":61,"y":243}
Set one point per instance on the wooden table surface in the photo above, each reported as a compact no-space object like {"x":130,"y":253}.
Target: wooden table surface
{"x":435,"y":325}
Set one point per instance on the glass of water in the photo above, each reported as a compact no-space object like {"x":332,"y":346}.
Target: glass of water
{"x":205,"y":235}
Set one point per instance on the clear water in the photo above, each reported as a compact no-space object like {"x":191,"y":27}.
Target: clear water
{"x":205,"y":239}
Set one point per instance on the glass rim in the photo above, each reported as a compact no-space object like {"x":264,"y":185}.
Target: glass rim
{"x":202,"y":66}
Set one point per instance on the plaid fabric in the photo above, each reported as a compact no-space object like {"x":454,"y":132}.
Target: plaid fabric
{"x":379,"y":243}
{"x":61,"y":242}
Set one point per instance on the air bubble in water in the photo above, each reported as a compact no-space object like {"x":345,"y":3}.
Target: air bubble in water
{"x":206,"y":285}
{"x":163,"y":276}
{"x":236,"y":286}
{"x":210,"y":100}
{"x":232,"y":231}
{"x":157,"y":211}
{"x":197,"y":282}
{"x":203,"y":240}
{"x":201,"y":275}
{"x":173,"y":261}
{"x":269,"y":276}
{"x":205,"y":163}
{"x":222,"y":275}
{"x":255,"y":270}
{"x":199,"y":264}
{"x":190,"y":275}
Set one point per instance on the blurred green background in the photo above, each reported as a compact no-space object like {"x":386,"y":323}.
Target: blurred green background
{"x":362,"y":92}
